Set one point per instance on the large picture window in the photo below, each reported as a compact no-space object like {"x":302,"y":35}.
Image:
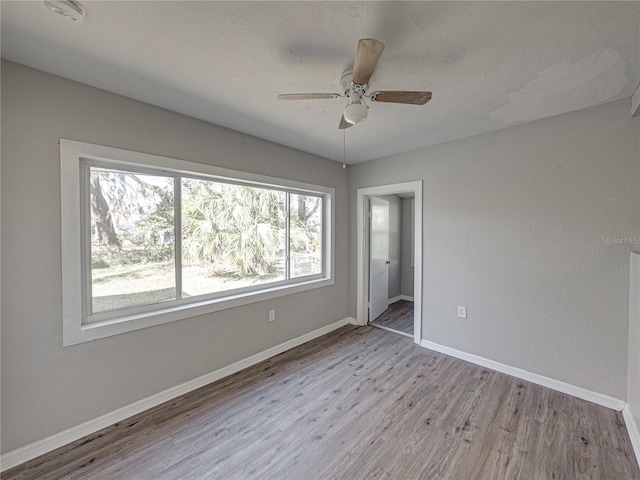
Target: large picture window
{"x":163,"y":239}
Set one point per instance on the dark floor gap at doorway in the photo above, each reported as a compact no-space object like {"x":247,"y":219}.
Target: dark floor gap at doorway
{"x":398,"y":317}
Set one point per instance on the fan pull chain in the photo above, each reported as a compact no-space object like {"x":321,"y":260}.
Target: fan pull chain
{"x":344,"y":148}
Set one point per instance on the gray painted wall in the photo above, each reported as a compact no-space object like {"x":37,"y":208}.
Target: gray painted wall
{"x":394,"y":244}
{"x":406,"y":270}
{"x":47,"y":388}
{"x":514,"y":225}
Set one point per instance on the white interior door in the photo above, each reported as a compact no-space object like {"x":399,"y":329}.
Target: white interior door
{"x":379,"y":258}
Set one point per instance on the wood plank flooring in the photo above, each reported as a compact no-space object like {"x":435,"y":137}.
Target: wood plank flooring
{"x":358,"y":403}
{"x":399,"y":316}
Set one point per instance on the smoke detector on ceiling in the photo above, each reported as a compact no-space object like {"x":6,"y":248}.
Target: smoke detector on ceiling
{"x":70,"y":9}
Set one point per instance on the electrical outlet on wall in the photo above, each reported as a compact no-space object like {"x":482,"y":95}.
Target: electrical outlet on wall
{"x":272,"y":315}
{"x":462,"y":312}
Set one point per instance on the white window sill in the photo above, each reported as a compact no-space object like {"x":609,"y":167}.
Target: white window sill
{"x":75,"y":332}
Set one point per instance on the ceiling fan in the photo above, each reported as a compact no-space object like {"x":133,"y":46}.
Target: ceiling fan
{"x":354,"y":83}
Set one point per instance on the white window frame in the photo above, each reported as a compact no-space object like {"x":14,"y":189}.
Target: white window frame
{"x":73,"y":159}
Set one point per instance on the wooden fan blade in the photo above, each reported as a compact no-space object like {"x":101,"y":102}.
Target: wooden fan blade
{"x":308,"y":96}
{"x":367,"y":56}
{"x":344,"y":124}
{"x":411,"y":98}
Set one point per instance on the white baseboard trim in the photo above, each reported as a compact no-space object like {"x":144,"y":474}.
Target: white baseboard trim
{"x":632,"y":428}
{"x":46,"y":445}
{"x":579,"y":392}
{"x":399,"y":297}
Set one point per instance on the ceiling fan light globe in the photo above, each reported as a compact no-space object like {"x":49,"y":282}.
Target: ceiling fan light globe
{"x":355,"y":112}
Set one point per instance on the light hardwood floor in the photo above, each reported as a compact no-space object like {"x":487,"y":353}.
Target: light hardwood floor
{"x":399,"y":316}
{"x":358,"y":403}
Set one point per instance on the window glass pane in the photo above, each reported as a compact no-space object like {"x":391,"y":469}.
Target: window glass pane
{"x":132,"y":239}
{"x":306,"y":235}
{"x":233,"y":236}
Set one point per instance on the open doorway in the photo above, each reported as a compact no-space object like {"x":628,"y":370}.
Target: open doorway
{"x":381,"y":298}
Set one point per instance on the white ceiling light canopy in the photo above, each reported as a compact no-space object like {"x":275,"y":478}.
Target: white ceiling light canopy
{"x":70,"y":9}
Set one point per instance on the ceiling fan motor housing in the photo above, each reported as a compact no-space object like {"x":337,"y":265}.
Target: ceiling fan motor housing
{"x":345,"y":81}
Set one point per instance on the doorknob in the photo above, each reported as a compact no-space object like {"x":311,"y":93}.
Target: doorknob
{"x":388,"y":262}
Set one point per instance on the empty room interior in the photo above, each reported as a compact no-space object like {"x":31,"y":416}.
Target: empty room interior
{"x":320,"y":240}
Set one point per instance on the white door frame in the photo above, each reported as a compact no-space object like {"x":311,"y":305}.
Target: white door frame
{"x":363,"y":254}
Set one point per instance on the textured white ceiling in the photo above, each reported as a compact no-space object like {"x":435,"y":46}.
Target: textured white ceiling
{"x":489,"y":64}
